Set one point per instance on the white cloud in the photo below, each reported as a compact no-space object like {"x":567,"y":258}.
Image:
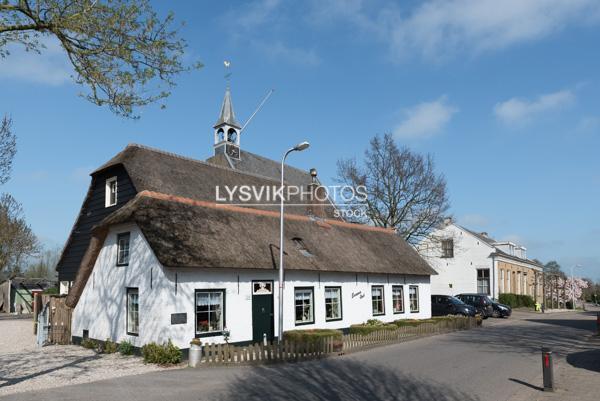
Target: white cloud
{"x":438,"y":29}
{"x":51,"y":67}
{"x":255,"y":14}
{"x":517,"y":110}
{"x":425,"y":119}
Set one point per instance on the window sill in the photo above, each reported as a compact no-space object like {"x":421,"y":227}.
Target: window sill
{"x":379,"y":314}
{"x":304,"y":323}
{"x":209,"y":334}
{"x":334,"y":320}
{"x":399,"y":313}
{"x":133,"y":334}
{"x":414,"y":311}
{"x":122,"y":264}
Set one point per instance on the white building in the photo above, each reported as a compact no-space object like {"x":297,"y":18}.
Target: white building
{"x":166,"y":261}
{"x":471,"y":262}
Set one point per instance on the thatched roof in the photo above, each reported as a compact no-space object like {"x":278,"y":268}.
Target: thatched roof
{"x":159,"y":171}
{"x":187,"y":233}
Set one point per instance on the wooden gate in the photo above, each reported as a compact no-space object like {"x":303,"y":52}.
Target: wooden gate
{"x":59,"y":319}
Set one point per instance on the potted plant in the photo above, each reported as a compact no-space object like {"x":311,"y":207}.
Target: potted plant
{"x":195,"y":353}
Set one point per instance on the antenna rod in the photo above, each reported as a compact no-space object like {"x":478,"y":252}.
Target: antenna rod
{"x":258,"y":108}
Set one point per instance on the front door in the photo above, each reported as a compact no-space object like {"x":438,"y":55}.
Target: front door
{"x":262,"y":310}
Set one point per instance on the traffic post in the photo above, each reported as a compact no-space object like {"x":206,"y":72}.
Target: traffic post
{"x":547,"y":369}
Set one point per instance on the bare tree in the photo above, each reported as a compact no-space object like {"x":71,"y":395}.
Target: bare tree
{"x":17,"y":240}
{"x":119,"y":49}
{"x":8,"y":149}
{"x":403,"y":190}
{"x":45,"y":265}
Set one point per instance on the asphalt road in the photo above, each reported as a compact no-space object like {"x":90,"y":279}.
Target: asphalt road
{"x":497,"y":362}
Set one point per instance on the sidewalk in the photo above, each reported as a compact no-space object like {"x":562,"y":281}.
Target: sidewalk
{"x":576,"y":375}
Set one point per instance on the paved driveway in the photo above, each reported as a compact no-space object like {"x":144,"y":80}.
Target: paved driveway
{"x":498,"y":362}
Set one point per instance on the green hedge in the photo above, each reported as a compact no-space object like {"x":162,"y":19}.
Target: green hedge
{"x":311,"y":335}
{"x":516,"y":301}
{"x":163,"y":354}
{"x":373,"y":325}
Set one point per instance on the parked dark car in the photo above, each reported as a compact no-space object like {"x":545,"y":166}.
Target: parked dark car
{"x":481,"y":302}
{"x":442,"y":305}
{"x":500,"y":310}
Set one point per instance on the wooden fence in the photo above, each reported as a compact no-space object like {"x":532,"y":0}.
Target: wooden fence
{"x":294,"y":351}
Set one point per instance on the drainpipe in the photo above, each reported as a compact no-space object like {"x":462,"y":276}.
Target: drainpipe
{"x":494,"y":289}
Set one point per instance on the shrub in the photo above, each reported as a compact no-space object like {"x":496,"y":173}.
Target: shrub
{"x":311,"y":336}
{"x":364,"y":329}
{"x":516,"y":301}
{"x":110,"y":347}
{"x":125,"y":348}
{"x":164,"y":354}
{"x":89,"y":344}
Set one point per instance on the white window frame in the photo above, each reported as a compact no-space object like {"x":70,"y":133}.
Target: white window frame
{"x":401,"y":288}
{"x":410,"y":296}
{"x":211,"y":309}
{"x":488,"y":286}
{"x":310,"y":291}
{"x":374,"y":298}
{"x":133,"y":314}
{"x":334,"y":301}
{"x":123,"y":252}
{"x":108,"y":202}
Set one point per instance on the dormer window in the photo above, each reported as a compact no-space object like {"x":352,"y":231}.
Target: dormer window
{"x":111,"y":192}
{"x":447,"y":248}
{"x":301,"y":247}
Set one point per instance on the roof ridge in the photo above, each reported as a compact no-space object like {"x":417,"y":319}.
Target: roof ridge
{"x":275,"y":161}
{"x":240,"y":209}
{"x":190,"y":159}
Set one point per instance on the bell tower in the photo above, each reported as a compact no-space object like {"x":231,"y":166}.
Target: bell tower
{"x":227,"y":130}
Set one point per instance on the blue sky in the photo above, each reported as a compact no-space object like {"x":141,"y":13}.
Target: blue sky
{"x":505,"y":95}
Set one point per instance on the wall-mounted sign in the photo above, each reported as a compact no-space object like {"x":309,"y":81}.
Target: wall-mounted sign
{"x":358,"y":294}
{"x":178,"y":318}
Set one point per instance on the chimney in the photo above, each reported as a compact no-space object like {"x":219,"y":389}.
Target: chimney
{"x":484,"y":234}
{"x":448,"y":221}
{"x":317,"y":193}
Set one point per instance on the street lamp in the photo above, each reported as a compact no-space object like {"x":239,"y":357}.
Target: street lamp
{"x":298,"y":148}
{"x":573,"y":286}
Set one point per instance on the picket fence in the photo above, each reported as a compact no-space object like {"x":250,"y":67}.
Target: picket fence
{"x":289,"y":351}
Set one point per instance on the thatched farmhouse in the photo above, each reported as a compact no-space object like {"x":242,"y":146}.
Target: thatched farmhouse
{"x":154,"y":255}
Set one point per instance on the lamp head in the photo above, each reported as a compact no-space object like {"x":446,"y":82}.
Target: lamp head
{"x":301,"y":146}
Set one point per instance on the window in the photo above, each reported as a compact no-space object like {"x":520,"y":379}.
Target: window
{"x":447,"y":248}
{"x":210,"y":312}
{"x":398,"y":298}
{"x":413,"y":297}
{"x":377,"y":300}
{"x":304,"y":301}
{"x":483,"y":281}
{"x":123,"y":249}
{"x":133,"y":311}
{"x":111,"y":192}
{"x":333,"y":303}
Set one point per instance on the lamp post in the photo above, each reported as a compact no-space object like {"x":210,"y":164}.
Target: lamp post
{"x":298,"y":148}
{"x":573,"y":286}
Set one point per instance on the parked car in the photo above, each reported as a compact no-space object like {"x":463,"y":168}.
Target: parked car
{"x":500,"y":310}
{"x":442,"y":305}
{"x":481,"y":302}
